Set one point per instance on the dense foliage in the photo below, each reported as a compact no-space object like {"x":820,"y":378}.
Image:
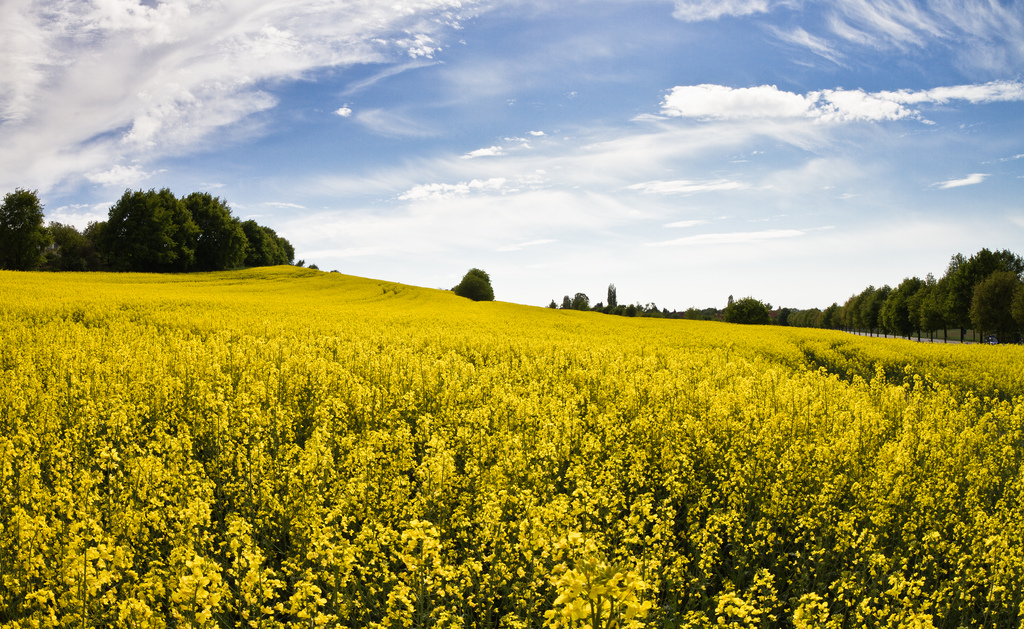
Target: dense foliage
{"x":22,"y":234}
{"x":748,"y":311}
{"x":214,"y":450}
{"x":475,"y":285}
{"x":977,"y":293}
{"x":145,"y":231}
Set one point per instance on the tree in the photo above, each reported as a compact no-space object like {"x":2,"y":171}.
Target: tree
{"x":285,"y":247}
{"x":895,"y":313}
{"x":475,"y":285}
{"x":1017,"y":307}
{"x":964,"y":274}
{"x":613,"y":299}
{"x":748,"y":311}
{"x":931,"y":310}
{"x":149,"y":232}
{"x":829,"y":318}
{"x":580,"y":302}
{"x":851,"y":312}
{"x":264,"y":246}
{"x":566,"y":303}
{"x":992,"y":303}
{"x":23,"y":237}
{"x":871,"y":306}
{"x":71,"y":250}
{"x":553,"y":305}
{"x":220,"y":243}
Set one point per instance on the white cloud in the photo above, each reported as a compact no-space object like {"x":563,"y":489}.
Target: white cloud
{"x":121,"y":176}
{"x":79,"y":214}
{"x":344,"y":112}
{"x":420,"y":45}
{"x":686,"y":186}
{"x":685,"y":224}
{"x":734,"y":238}
{"x":492,"y":151}
{"x":718,"y":102}
{"x":698,"y":10}
{"x":969,"y":180}
{"x":523,"y":245}
{"x":857,"y":105}
{"x":433,"y":191}
{"x":292,"y":206}
{"x":537,"y":133}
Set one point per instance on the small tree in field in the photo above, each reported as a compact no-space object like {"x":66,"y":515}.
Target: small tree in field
{"x":748,"y":310}
{"x":475,"y":285}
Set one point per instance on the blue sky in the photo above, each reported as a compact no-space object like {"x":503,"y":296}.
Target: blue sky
{"x":795,"y":151}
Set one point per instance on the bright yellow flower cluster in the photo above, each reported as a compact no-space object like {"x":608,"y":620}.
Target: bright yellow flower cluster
{"x":283,"y":447}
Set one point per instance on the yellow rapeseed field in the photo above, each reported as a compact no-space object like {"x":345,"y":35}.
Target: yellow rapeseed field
{"x":284,"y":447}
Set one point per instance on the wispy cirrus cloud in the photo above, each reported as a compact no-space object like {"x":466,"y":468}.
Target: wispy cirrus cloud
{"x":152,"y":79}
{"x":818,"y":45}
{"x":731,"y":238}
{"x":981,"y":34}
{"x":685,"y":224}
{"x":524,"y":245}
{"x":686,"y":186}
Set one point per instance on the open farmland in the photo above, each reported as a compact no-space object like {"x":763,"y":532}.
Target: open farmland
{"x":283,"y":447}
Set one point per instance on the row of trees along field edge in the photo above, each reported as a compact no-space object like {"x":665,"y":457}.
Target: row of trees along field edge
{"x":145,"y":231}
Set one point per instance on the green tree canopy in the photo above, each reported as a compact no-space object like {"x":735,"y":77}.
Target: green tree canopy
{"x":264,"y":246}
{"x":830,"y":317}
{"x":23,"y":237}
{"x":748,"y":311}
{"x":895,"y":314}
{"x":580,"y":301}
{"x":475,"y":285}
{"x":149,"y":232}
{"x":964,"y":274}
{"x":71,"y":250}
{"x":220,"y":242}
{"x":992,"y":305}
{"x":871,"y":302}
{"x":1017,"y":307}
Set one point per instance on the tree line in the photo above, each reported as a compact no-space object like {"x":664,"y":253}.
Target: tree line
{"x":984,"y":293}
{"x":580,"y":301}
{"x":747,"y":310}
{"x":145,"y":231}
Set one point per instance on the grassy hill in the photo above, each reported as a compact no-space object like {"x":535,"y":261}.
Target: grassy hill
{"x":281,"y":446}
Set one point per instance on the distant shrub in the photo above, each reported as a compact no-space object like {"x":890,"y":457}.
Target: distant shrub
{"x":475,"y":285}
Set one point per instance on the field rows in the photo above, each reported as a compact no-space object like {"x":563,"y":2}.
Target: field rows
{"x":284,"y":447}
